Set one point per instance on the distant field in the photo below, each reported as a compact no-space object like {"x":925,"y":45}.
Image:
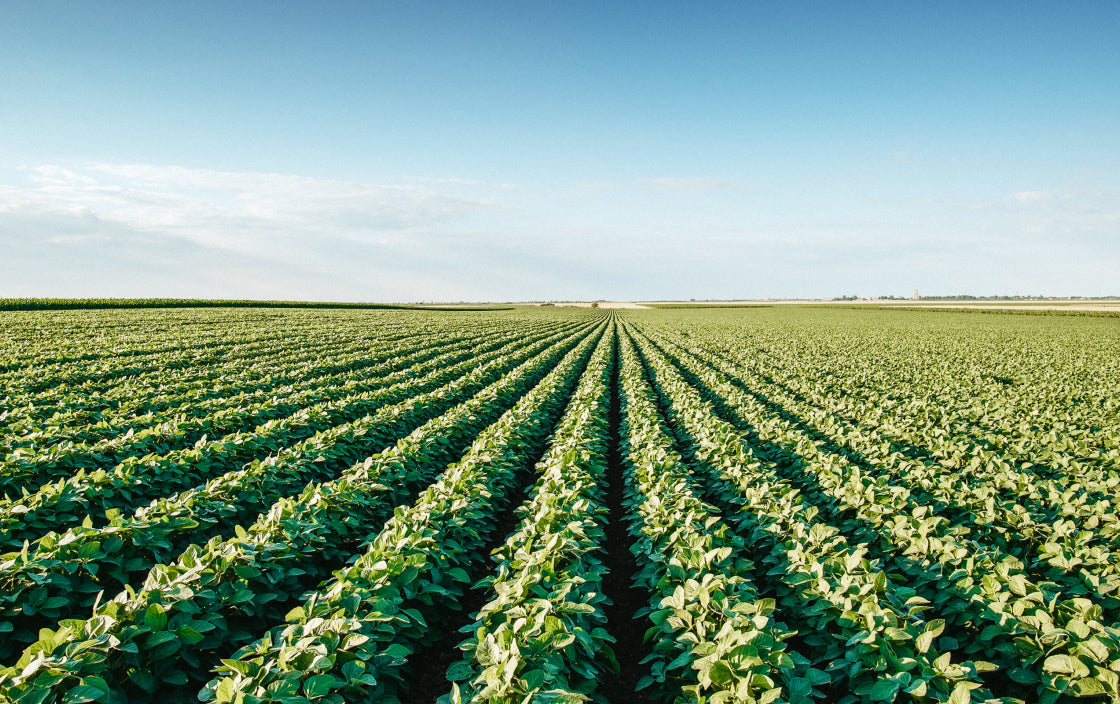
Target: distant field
{"x":108,"y":303}
{"x":558,"y":504}
{"x":1110,"y":306}
{"x":1051,"y":303}
{"x":1107,"y":306}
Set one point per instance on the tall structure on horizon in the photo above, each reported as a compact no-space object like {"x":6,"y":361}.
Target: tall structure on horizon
{"x":916,"y":296}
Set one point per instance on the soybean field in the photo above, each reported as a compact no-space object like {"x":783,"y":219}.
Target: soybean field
{"x":558,"y":505}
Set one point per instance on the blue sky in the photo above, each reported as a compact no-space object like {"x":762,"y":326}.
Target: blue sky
{"x":528,"y":151}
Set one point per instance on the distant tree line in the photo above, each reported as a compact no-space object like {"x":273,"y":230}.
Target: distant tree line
{"x":92,"y":303}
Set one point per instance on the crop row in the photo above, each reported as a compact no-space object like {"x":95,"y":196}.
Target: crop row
{"x":235,"y":413}
{"x":1063,"y":531}
{"x":137,"y":480}
{"x":1038,"y":635}
{"x":86,"y":560}
{"x":496,"y":508}
{"x":73,"y":415}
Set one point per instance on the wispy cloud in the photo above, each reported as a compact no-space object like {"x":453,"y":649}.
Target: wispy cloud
{"x":234,"y":210}
{"x":701,"y":184}
{"x":1085,"y":216}
{"x":146,"y":218}
{"x":1030,"y":196}
{"x":468,"y":182}
{"x":136,"y":230}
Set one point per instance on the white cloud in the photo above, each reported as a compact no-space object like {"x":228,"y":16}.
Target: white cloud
{"x":1087,"y":216}
{"x":56,"y":175}
{"x":235,"y":211}
{"x":701,"y":184}
{"x":140,"y":230}
{"x":1030,"y":196}
{"x":181,"y":225}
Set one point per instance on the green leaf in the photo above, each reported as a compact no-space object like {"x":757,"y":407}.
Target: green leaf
{"x":1089,"y":687}
{"x":81,"y":693}
{"x":460,"y":671}
{"x":680,"y":661}
{"x":202,"y":626}
{"x":177,"y":678}
{"x":160,"y":638}
{"x":188,"y":635}
{"x":923,"y":641}
{"x":143,"y":679}
{"x":318,"y":686}
{"x":884,"y":690}
{"x":89,"y":690}
{"x":816,"y":677}
{"x":155,"y":618}
{"x":295,"y":614}
{"x":534,"y":679}
{"x":1094,"y":649}
{"x":770,"y":695}
{"x":1023,"y":675}
{"x":720,"y":673}
{"x":962,"y":694}
{"x":239,"y":666}
{"x":1058,"y":663}
{"x":225,"y":691}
